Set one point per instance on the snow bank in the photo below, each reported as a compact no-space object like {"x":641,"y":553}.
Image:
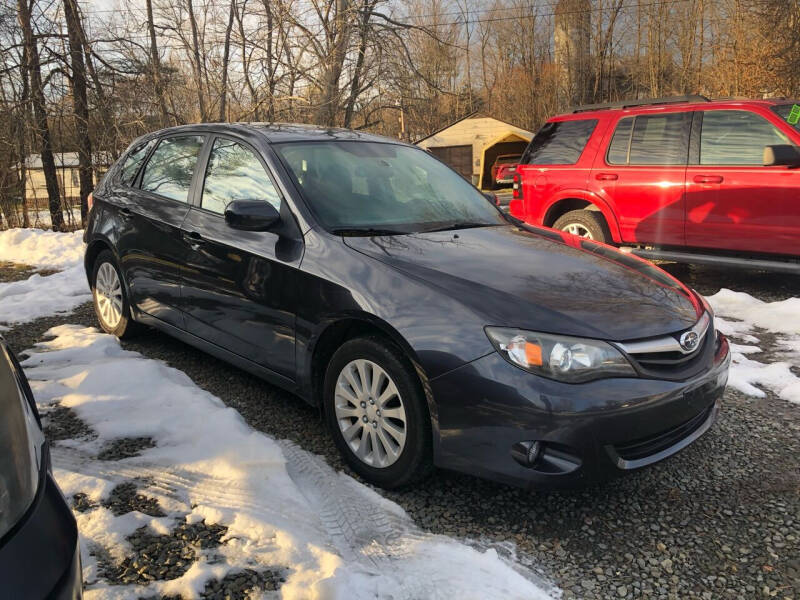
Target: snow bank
{"x":42,"y":249}
{"x":37,"y":296}
{"x":283,"y":507}
{"x":741,"y":316}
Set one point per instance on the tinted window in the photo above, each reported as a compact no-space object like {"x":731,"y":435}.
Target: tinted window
{"x":133,"y":161}
{"x":383,"y":186}
{"x":234,"y":173}
{"x":171,"y":166}
{"x":736,"y":137}
{"x":660,"y":140}
{"x":618,"y":149}
{"x":559,"y":143}
{"x":784,"y":111}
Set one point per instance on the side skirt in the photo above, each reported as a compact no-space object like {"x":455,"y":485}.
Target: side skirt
{"x":238,"y":361}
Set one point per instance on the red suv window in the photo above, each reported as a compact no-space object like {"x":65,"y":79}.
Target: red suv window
{"x":559,"y":142}
{"x":736,"y":137}
{"x":650,"y":140}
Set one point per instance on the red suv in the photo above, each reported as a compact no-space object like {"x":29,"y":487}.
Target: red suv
{"x":685,"y":176}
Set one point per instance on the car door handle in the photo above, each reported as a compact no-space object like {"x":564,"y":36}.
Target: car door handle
{"x":606,"y":176}
{"x":708,"y":178}
{"x":194,"y":238}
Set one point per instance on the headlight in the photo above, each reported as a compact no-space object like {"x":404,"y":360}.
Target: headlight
{"x":569,"y":359}
{"x":20,"y":446}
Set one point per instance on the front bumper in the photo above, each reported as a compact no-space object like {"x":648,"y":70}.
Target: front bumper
{"x":590,"y":432}
{"x":40,"y":556}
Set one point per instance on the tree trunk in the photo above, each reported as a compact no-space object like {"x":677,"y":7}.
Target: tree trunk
{"x":155,"y":63}
{"x":225,"y":58}
{"x":80,"y":104}
{"x":355,"y":84}
{"x":21,"y":138}
{"x":40,"y":115}
{"x":333,"y":65}
{"x":198,"y":67}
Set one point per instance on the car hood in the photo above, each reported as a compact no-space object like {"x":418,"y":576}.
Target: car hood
{"x":542,"y":280}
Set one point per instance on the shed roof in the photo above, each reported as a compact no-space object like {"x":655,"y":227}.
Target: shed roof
{"x":67,"y":159}
{"x":473,"y":115}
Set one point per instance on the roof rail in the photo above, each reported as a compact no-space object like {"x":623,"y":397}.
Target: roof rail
{"x":643,"y":102}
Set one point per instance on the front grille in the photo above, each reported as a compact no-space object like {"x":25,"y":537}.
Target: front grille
{"x":664,"y":356}
{"x":644,"y":447}
{"x":662,"y":360}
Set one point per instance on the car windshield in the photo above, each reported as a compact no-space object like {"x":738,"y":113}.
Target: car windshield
{"x":374,"y":188}
{"x":786,"y":113}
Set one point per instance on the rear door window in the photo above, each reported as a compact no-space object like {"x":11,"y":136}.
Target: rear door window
{"x":660,"y":139}
{"x":134,"y":159}
{"x":736,"y":137}
{"x":559,"y":143}
{"x":171,"y":167}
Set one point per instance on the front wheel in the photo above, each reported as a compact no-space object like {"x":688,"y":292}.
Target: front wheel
{"x":377,"y":413}
{"x":110,"y":299}
{"x":584,"y":223}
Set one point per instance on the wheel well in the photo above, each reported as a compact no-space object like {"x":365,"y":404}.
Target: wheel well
{"x":562,"y":207}
{"x":329,"y":342}
{"x":92,"y":251}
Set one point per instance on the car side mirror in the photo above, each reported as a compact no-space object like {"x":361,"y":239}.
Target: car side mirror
{"x":251,"y":215}
{"x":782,"y":155}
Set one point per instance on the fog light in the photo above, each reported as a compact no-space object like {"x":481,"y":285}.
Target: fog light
{"x":526,"y":453}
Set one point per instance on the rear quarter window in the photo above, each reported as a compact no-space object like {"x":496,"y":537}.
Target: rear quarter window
{"x":559,"y":143}
{"x":133,"y":161}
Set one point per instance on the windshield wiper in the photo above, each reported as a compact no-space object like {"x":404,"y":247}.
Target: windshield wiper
{"x":459,"y":225}
{"x":366,"y":231}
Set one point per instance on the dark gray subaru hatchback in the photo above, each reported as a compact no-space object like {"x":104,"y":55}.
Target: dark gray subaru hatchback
{"x":370,"y":279}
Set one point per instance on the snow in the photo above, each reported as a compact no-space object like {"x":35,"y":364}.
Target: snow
{"x":37,"y":296}
{"x":208,"y":464}
{"x":42,"y":249}
{"x":744,"y":318}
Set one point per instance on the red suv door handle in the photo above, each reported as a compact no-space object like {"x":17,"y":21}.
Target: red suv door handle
{"x":606,"y":176}
{"x":708,"y":178}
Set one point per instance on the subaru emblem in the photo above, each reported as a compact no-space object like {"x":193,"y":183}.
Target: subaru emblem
{"x":689,"y":341}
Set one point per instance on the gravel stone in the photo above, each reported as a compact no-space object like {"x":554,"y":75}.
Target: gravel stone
{"x":16,"y":272}
{"x":239,"y":585}
{"x":61,"y":423}
{"x":154,"y":557}
{"x":82,"y":503}
{"x":125,"y":448}
{"x":124,"y":499}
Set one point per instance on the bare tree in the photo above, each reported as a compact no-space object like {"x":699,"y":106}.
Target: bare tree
{"x":42,"y":128}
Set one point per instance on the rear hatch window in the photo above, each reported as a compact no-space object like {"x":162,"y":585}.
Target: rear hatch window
{"x":559,"y":143}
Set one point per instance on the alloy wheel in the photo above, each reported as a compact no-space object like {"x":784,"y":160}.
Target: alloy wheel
{"x":108,"y":295}
{"x":370,"y":413}
{"x":577,"y":229}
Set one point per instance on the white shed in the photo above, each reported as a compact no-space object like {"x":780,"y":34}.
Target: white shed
{"x":471,"y":145}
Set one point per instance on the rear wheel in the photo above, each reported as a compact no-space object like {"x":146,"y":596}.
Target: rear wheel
{"x":584,"y":223}
{"x":377,"y":413}
{"x":110,"y":299}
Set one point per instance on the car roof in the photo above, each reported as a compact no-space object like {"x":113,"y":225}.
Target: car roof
{"x":284,"y":132}
{"x":589,"y":113}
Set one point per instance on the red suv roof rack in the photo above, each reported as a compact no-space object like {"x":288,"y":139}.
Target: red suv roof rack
{"x":643,"y":102}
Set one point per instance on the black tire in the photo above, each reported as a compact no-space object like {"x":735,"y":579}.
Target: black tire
{"x":591,"y":220}
{"x":415,"y":460}
{"x":126,"y":327}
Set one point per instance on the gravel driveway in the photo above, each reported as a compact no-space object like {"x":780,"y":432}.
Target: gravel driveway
{"x":719,"y":520}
